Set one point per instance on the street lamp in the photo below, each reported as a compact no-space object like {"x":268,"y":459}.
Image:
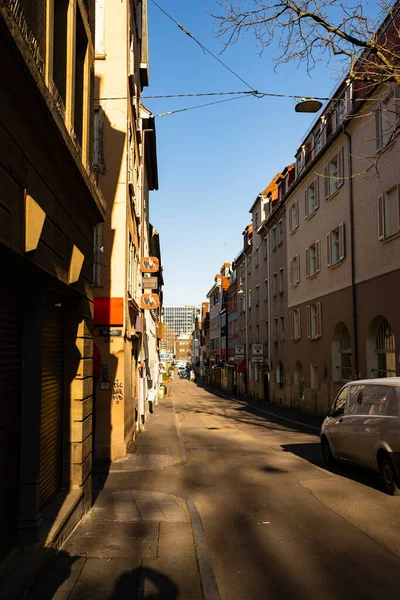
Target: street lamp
{"x":308,"y":105}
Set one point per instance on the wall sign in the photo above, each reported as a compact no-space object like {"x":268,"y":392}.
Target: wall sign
{"x":150,"y":283}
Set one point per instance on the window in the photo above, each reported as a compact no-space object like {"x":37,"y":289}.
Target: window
{"x":282,"y":328}
{"x":275,"y":329}
{"x":98,"y":148}
{"x":295,"y":323}
{"x":314,"y":320}
{"x":317,"y":141}
{"x":295,"y":270}
{"x":333,"y":174}
{"x":279,"y":374}
{"x":274,"y":238}
{"x":280,"y":232}
{"x":256,"y":258}
{"x":389,"y":213}
{"x":312,"y":198}
{"x":340,"y":111}
{"x":275,"y":285}
{"x":335,"y":245}
{"x":266,"y":290}
{"x":313,"y":260}
{"x":281,"y":280}
{"x":294,"y":216}
{"x":256,"y":221}
{"x":257,"y":295}
{"x":386,"y":120}
{"x":340,"y":403}
{"x":249,"y":298}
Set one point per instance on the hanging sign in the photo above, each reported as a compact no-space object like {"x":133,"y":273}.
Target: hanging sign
{"x":149,"y":264}
{"x":149,"y":301}
{"x":150,"y":283}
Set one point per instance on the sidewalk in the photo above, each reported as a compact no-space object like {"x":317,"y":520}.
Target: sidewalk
{"x":136,"y":544}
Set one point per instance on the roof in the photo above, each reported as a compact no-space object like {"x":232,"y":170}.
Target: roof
{"x":381,"y":381}
{"x":270,"y":188}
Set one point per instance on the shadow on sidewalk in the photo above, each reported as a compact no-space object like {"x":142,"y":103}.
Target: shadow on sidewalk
{"x":73,"y":577}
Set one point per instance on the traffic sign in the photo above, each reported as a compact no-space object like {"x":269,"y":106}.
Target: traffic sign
{"x":164,"y":355}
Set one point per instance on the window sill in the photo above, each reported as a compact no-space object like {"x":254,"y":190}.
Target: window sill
{"x":336,"y":264}
{"x":310,"y":216}
{"x":335,"y":193}
{"x":313,"y":276}
{"x":389,"y":238}
{"x":293,"y":230}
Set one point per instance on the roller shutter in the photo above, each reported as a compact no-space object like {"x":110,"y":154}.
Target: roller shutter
{"x":51,"y":403}
{"x":10,"y":398}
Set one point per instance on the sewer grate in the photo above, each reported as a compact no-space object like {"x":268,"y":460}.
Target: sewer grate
{"x":118,"y":540}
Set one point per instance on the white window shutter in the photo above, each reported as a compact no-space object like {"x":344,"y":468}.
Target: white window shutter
{"x":306,"y":208}
{"x":326,"y":182}
{"x":290,"y":219}
{"x":342,"y":241}
{"x":316,"y":191}
{"x":319,"y":319}
{"x":340,"y":167}
{"x":329,"y":249}
{"x":308,"y":317}
{"x":297,"y":213}
{"x":381,"y":217}
{"x":317,"y":256}
{"x":298,"y":324}
{"x":378,"y":127}
{"x":307,"y":262}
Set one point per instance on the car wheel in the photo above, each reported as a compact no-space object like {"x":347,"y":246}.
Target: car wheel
{"x":388,"y":477}
{"x":327,"y":455}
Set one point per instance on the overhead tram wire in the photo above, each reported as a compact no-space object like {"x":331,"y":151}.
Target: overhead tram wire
{"x":204,"y":48}
{"x":172,"y":112}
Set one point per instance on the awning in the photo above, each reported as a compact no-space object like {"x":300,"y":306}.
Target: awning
{"x":241,"y":368}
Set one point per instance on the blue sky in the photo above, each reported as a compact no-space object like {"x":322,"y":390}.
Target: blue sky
{"x":214,"y":161}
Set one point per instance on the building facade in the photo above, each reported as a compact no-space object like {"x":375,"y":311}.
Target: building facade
{"x":49,"y":207}
{"x":181,"y":318}
{"x":125,"y":332}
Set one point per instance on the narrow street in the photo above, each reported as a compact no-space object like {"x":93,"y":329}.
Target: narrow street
{"x":275,"y":523}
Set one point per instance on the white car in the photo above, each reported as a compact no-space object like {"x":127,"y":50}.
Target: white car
{"x":363,"y":427}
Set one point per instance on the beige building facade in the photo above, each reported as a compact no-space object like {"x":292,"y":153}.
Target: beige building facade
{"x":125,"y":334}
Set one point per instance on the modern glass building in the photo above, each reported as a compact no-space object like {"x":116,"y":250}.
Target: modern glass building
{"x":181,"y":318}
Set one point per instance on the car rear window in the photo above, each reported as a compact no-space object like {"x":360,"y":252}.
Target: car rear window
{"x":373,"y":400}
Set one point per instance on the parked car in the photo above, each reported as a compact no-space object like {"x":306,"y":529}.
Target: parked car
{"x":363,"y":427}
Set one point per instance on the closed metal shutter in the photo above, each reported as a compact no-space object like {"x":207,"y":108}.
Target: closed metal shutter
{"x":10,"y":398}
{"x":51,"y":403}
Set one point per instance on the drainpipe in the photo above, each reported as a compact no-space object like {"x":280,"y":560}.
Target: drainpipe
{"x":353,"y":265}
{"x":247,"y":327}
{"x":269,"y":302}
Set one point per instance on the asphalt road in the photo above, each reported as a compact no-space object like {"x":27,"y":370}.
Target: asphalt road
{"x":278,"y":525}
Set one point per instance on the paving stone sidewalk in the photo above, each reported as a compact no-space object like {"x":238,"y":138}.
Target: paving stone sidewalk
{"x":135,"y":544}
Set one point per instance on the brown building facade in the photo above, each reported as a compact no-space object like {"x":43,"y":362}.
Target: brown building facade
{"x":49,"y":206}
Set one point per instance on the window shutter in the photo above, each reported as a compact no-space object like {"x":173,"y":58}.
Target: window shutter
{"x":307,"y":263}
{"x":291,"y":278}
{"x":306,"y":209}
{"x":316,"y":191}
{"x":298,"y":268}
{"x":292,"y":324}
{"x":381,"y":217}
{"x":297,"y":213}
{"x":326,"y":182}
{"x":319,"y":319}
{"x":378,"y":127}
{"x":329,"y":249}
{"x":298,"y":324}
{"x":317,"y":255}
{"x":290,"y":219}
{"x":342,"y":241}
{"x":340,"y":167}
{"x":308,"y":317}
